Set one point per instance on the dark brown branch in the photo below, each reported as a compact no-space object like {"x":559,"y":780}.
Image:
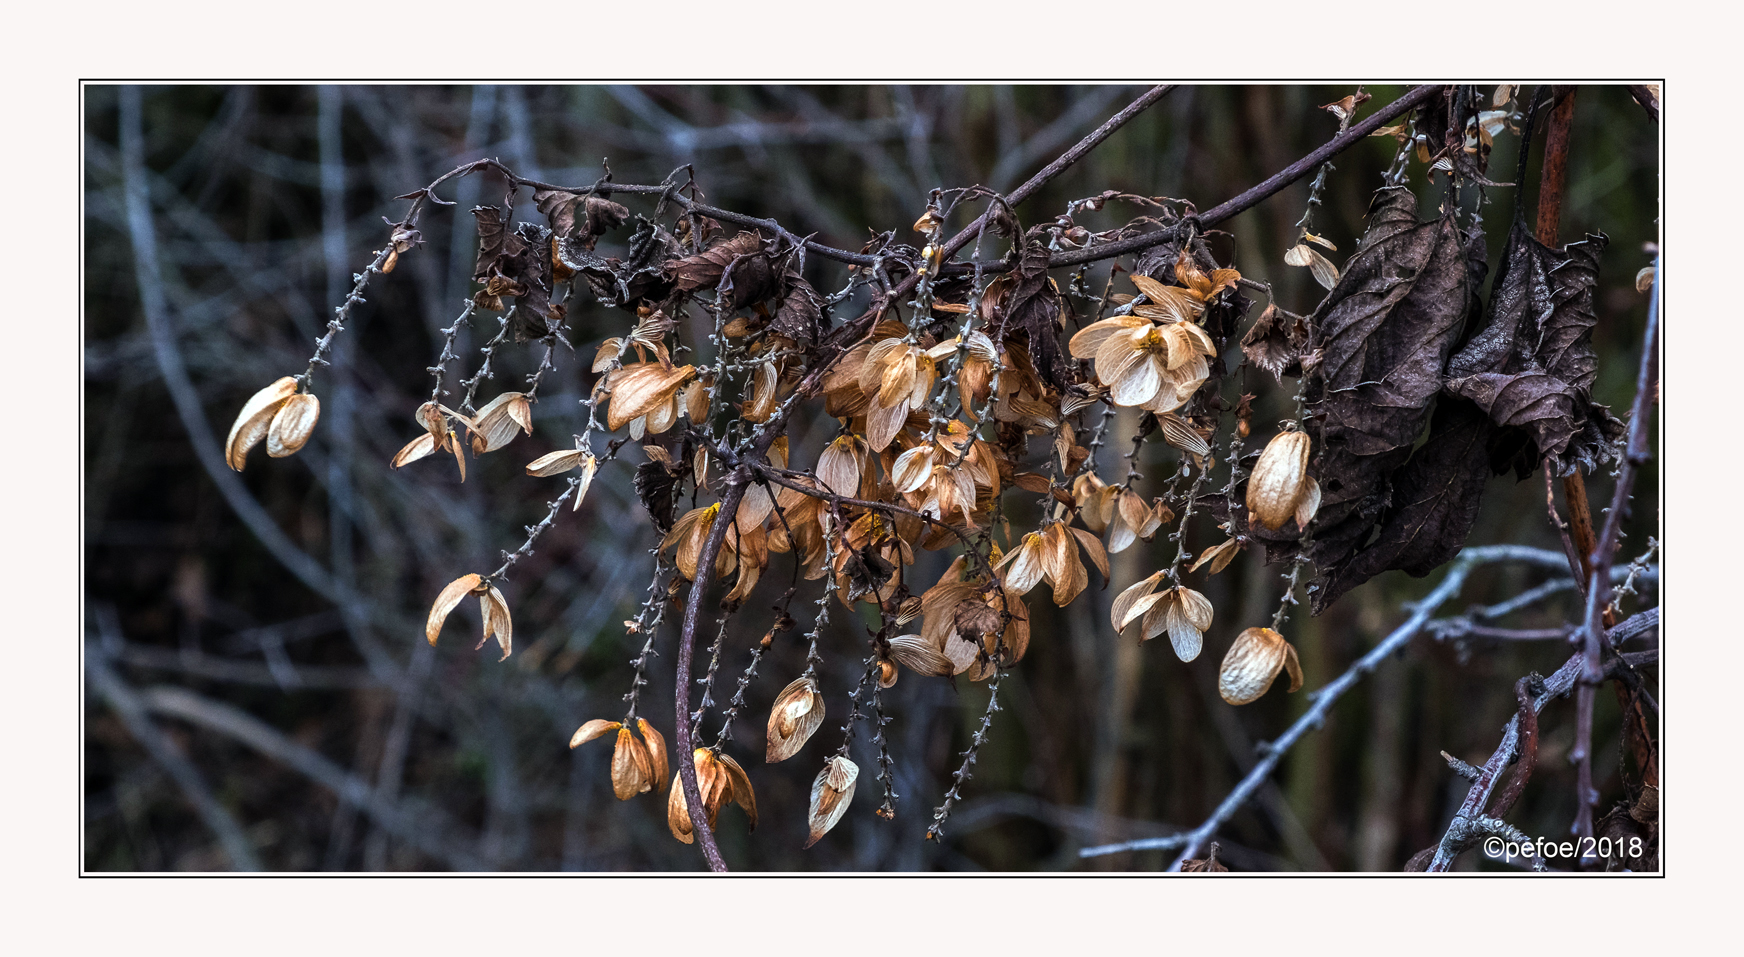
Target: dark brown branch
{"x":1648,"y":101}
{"x":1254,"y":196}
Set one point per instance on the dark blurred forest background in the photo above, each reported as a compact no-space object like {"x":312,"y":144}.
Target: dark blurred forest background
{"x":258,"y":691}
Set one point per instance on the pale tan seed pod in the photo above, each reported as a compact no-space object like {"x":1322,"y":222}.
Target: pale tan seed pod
{"x":656,"y":752}
{"x":1279,"y":479}
{"x":830,"y":794}
{"x":292,"y":425}
{"x":632,"y":768}
{"x":494,"y":609}
{"x":1186,"y":619}
{"x":495,"y":425}
{"x":255,"y":420}
{"x":797,"y":713}
{"x":446,"y":603}
{"x":1253,"y":662}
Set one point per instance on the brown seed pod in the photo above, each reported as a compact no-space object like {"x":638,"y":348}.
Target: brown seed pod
{"x":1279,"y":479}
{"x":1253,"y":663}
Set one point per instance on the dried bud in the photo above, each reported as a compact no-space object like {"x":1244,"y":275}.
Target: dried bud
{"x":1253,"y":662}
{"x":797,"y":713}
{"x":1280,"y":479}
{"x":255,"y":420}
{"x":292,"y":425}
{"x":830,"y":794}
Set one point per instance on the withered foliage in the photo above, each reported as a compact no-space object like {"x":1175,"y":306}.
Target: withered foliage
{"x":954,"y":387}
{"x":1382,"y":338}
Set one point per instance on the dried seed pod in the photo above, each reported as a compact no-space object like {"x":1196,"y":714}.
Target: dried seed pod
{"x":255,"y":420}
{"x":1253,"y":662}
{"x":632,"y":767}
{"x":495,"y":611}
{"x":830,"y":794}
{"x":1279,"y":478}
{"x":656,"y":751}
{"x":292,"y":425}
{"x":797,"y":713}
{"x":495,"y":424}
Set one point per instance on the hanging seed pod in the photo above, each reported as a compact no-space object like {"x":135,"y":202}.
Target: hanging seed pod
{"x":1279,"y":479}
{"x":292,"y":425}
{"x":1253,"y":663}
{"x":830,"y":794}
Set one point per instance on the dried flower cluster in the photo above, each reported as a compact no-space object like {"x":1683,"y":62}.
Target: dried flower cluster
{"x":961,"y":383}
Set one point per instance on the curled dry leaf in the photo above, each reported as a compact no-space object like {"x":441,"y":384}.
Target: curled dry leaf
{"x":1253,"y":662}
{"x":830,"y":794}
{"x":797,"y":713}
{"x":255,"y":420}
{"x":292,"y":425}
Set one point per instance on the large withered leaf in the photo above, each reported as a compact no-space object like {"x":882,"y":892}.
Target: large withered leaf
{"x":579,"y":217}
{"x":1275,"y":342}
{"x":1435,"y":499}
{"x":654,"y":486}
{"x":495,"y":243}
{"x":1030,"y":313}
{"x":1384,"y":334}
{"x":1532,"y":367}
{"x":531,"y":270}
{"x":800,"y":315}
{"x":739,"y":267}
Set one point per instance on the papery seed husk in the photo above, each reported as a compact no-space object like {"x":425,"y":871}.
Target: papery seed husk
{"x":1644,"y":279}
{"x":1122,"y":613}
{"x":1027,"y":565}
{"x":1179,"y":434}
{"x":678,"y":814}
{"x":913,"y":653}
{"x":913,"y":468}
{"x":742,"y":794}
{"x":632,"y":770}
{"x":292,"y":425}
{"x":1298,"y":255}
{"x":1308,"y":502}
{"x":589,"y":466}
{"x":1277,"y":479}
{"x":1251,"y":665}
{"x":446,"y":602}
{"x":556,"y":462}
{"x":499,"y":620}
{"x":592,"y":730}
{"x":797,"y":714}
{"x":831,"y":793}
{"x":1093,"y":547}
{"x":637,"y":389}
{"x":414,"y":450}
{"x":255,"y":419}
